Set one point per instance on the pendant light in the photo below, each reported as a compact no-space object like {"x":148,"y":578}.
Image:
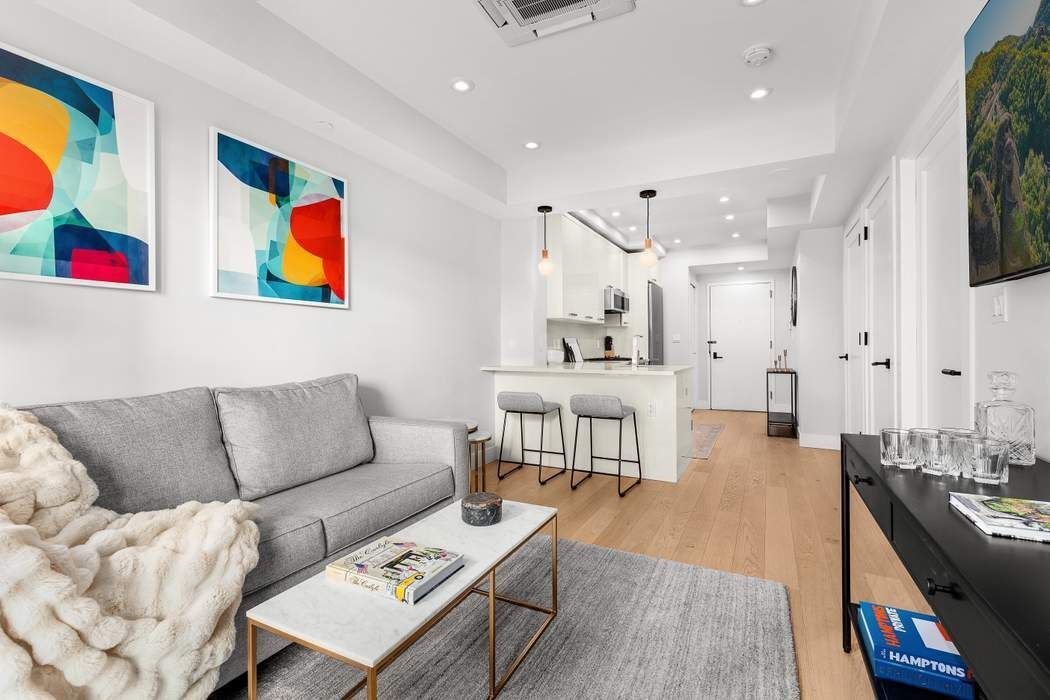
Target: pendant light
{"x":546,"y":266}
{"x":648,"y":258}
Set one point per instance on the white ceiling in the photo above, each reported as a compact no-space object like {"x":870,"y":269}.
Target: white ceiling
{"x":668,"y":70}
{"x":656,"y":98}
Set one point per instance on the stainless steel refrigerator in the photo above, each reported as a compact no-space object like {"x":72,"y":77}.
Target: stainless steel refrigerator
{"x":656,"y":324}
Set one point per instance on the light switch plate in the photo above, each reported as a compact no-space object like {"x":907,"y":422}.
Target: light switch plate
{"x":676,"y":338}
{"x":999,"y":307}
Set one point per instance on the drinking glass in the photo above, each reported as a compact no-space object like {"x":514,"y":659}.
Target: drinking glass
{"x":895,"y":451}
{"x":958,"y":464}
{"x":926,"y":450}
{"x":987,"y":457}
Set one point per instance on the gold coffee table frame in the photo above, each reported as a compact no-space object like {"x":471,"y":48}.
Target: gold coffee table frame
{"x":371,"y":672}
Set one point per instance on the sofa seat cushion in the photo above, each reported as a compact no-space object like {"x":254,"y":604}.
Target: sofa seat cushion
{"x":289,"y":540}
{"x":147,"y":452}
{"x":355,"y":504}
{"x":290,"y":434}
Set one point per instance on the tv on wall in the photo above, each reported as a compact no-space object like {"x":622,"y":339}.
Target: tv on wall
{"x":1008,"y":140}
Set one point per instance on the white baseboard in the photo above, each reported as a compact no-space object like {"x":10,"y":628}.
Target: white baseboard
{"x":490,"y":454}
{"x":821,"y":442}
{"x":781,"y":408}
{"x":702,"y":405}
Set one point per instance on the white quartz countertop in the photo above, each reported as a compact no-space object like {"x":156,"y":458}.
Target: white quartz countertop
{"x":603,"y":368}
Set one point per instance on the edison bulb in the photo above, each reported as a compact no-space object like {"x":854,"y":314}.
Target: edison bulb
{"x":546,"y":265}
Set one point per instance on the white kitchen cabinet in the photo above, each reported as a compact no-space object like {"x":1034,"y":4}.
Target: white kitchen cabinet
{"x":576,"y":287}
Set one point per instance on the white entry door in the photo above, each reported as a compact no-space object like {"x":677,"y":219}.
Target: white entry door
{"x":740,"y":320}
{"x":946,"y":299}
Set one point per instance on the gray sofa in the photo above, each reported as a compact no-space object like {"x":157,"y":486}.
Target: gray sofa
{"x":326,"y":477}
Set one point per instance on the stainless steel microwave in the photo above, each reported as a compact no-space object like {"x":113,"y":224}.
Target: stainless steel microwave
{"x":616,"y":301}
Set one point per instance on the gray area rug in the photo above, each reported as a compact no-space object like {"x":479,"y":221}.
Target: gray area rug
{"x":629,"y":626}
{"x":705,"y":435}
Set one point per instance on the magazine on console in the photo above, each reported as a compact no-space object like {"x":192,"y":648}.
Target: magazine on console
{"x":1020,"y":518}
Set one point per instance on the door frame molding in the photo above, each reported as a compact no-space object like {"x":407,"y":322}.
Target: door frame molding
{"x":772,"y":314}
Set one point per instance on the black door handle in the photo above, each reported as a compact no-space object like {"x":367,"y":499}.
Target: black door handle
{"x":857,"y":479}
{"x":716,"y":356}
{"x":951,"y":372}
{"x":885,"y":363}
{"x":933,"y":588}
{"x":844,"y":357}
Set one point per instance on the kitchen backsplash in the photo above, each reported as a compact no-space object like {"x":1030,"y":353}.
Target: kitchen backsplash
{"x":591,"y":337}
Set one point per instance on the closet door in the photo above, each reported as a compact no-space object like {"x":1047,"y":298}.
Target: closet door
{"x":883,"y":337}
{"x":944,"y":285}
{"x":856,"y":324}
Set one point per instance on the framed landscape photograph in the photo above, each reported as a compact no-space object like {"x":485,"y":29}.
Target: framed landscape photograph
{"x":76,"y":178}
{"x":279,"y":227}
{"x":1008,"y":140}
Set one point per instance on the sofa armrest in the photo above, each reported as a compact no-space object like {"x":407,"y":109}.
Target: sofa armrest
{"x":402,"y":441}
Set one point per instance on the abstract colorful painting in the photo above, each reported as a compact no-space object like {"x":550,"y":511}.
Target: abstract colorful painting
{"x":279,"y":227}
{"x":76,"y":178}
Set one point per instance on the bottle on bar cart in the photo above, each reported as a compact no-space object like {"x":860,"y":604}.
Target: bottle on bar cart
{"x":1006,"y":419}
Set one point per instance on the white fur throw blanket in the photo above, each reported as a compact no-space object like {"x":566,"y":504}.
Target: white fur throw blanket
{"x":99,"y":605}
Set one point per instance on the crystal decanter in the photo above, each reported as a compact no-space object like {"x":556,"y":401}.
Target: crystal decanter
{"x":1006,"y":419}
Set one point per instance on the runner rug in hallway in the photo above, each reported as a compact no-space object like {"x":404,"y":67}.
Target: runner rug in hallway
{"x":628,"y":626}
{"x":705,"y":435}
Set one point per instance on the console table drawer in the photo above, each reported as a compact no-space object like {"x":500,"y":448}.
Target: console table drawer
{"x":875,"y":497}
{"x":976,"y":636}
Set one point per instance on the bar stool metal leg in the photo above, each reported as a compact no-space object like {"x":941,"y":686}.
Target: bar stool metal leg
{"x":539,"y":469}
{"x":638,"y":451}
{"x":499,"y":462}
{"x":576,"y":441}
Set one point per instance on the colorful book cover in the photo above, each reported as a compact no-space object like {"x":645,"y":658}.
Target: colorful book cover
{"x":395,"y":568}
{"x":1020,"y":518}
{"x":912,"y":648}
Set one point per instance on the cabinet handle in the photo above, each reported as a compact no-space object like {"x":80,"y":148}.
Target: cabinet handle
{"x":933,"y":588}
{"x":858,"y":479}
{"x":844,"y":357}
{"x":572,"y":314}
{"x":885,"y":363}
{"x":588,"y":316}
{"x":951,"y":372}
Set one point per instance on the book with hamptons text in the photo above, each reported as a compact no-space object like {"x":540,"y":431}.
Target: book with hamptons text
{"x":404,"y":571}
{"x":914,"y":649}
{"x":1020,"y":518}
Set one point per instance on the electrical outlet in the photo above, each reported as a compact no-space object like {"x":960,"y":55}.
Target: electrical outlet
{"x":999,"y":310}
{"x":676,"y":338}
{"x":651,"y":412}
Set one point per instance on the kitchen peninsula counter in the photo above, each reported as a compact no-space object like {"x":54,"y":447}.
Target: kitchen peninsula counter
{"x":660,"y":395}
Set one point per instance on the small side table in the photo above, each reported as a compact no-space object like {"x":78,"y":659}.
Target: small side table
{"x":779,"y":424}
{"x":477,"y":441}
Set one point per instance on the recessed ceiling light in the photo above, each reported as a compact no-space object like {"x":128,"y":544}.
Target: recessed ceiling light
{"x":780,"y":171}
{"x":724,"y":199}
{"x":751,"y":3}
{"x":736,"y":234}
{"x":462,"y":85}
{"x":615,"y":214}
{"x":632,"y":228}
{"x":532,"y":145}
{"x":678,"y":240}
{"x":730,"y":217}
{"x":325,"y":124}
{"x":760,"y":93}
{"x":740,"y":268}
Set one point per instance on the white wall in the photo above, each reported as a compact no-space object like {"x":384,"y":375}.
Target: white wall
{"x":523,"y":295}
{"x":781,"y":280}
{"x":424,"y":289}
{"x":817,"y":339}
{"x":1022,"y":344}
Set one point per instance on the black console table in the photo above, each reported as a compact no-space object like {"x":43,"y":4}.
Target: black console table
{"x":780,"y":424}
{"x":992,"y":594}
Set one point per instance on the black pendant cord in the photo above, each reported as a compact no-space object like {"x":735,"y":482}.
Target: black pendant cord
{"x":545,"y":231}
{"x":647,"y":220}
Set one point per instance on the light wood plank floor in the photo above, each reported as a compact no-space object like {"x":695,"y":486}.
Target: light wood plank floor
{"x":759,"y":506}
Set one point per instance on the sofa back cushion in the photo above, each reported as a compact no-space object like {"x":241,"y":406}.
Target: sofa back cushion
{"x":147,"y":452}
{"x":282,"y":436}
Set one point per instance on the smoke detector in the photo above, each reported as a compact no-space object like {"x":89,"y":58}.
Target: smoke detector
{"x":522,"y":21}
{"x":758,"y":55}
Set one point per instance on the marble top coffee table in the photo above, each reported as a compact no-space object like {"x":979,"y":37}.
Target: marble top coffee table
{"x":368,"y":631}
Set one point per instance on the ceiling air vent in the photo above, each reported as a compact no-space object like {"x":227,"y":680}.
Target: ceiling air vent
{"x":522,"y":21}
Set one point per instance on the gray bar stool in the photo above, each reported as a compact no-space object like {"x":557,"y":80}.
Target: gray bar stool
{"x":591,"y":406}
{"x":527,"y":403}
